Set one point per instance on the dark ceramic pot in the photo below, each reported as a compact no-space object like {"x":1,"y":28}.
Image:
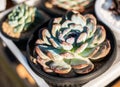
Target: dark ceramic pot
{"x":25,"y":35}
{"x":62,"y":81}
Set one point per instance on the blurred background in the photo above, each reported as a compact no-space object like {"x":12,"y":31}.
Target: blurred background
{"x":12,"y":73}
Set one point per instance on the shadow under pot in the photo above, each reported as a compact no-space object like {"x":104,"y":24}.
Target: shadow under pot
{"x":57,"y":8}
{"x":21,"y":22}
{"x":71,"y":50}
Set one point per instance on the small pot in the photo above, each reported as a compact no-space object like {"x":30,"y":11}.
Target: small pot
{"x":56,"y":80}
{"x":25,"y":35}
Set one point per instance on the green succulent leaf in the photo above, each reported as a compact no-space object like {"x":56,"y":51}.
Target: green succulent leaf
{"x":75,"y":61}
{"x":87,"y":52}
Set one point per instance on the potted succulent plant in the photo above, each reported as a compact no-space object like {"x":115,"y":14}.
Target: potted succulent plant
{"x":71,"y":50}
{"x":59,"y":7}
{"x":21,"y":22}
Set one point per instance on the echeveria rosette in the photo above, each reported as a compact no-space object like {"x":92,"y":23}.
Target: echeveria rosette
{"x":79,"y":5}
{"x":22,"y":17}
{"x":71,"y":43}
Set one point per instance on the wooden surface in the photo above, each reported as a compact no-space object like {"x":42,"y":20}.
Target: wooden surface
{"x":115,"y":83}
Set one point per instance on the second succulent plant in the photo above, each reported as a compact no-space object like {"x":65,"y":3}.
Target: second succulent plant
{"x":78,"y":5}
{"x":21,"y":19}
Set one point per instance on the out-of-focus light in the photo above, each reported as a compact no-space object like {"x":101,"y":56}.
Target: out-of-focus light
{"x":24,"y":74}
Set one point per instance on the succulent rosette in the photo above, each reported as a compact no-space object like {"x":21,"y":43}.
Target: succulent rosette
{"x":71,"y":42}
{"x":21,"y":19}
